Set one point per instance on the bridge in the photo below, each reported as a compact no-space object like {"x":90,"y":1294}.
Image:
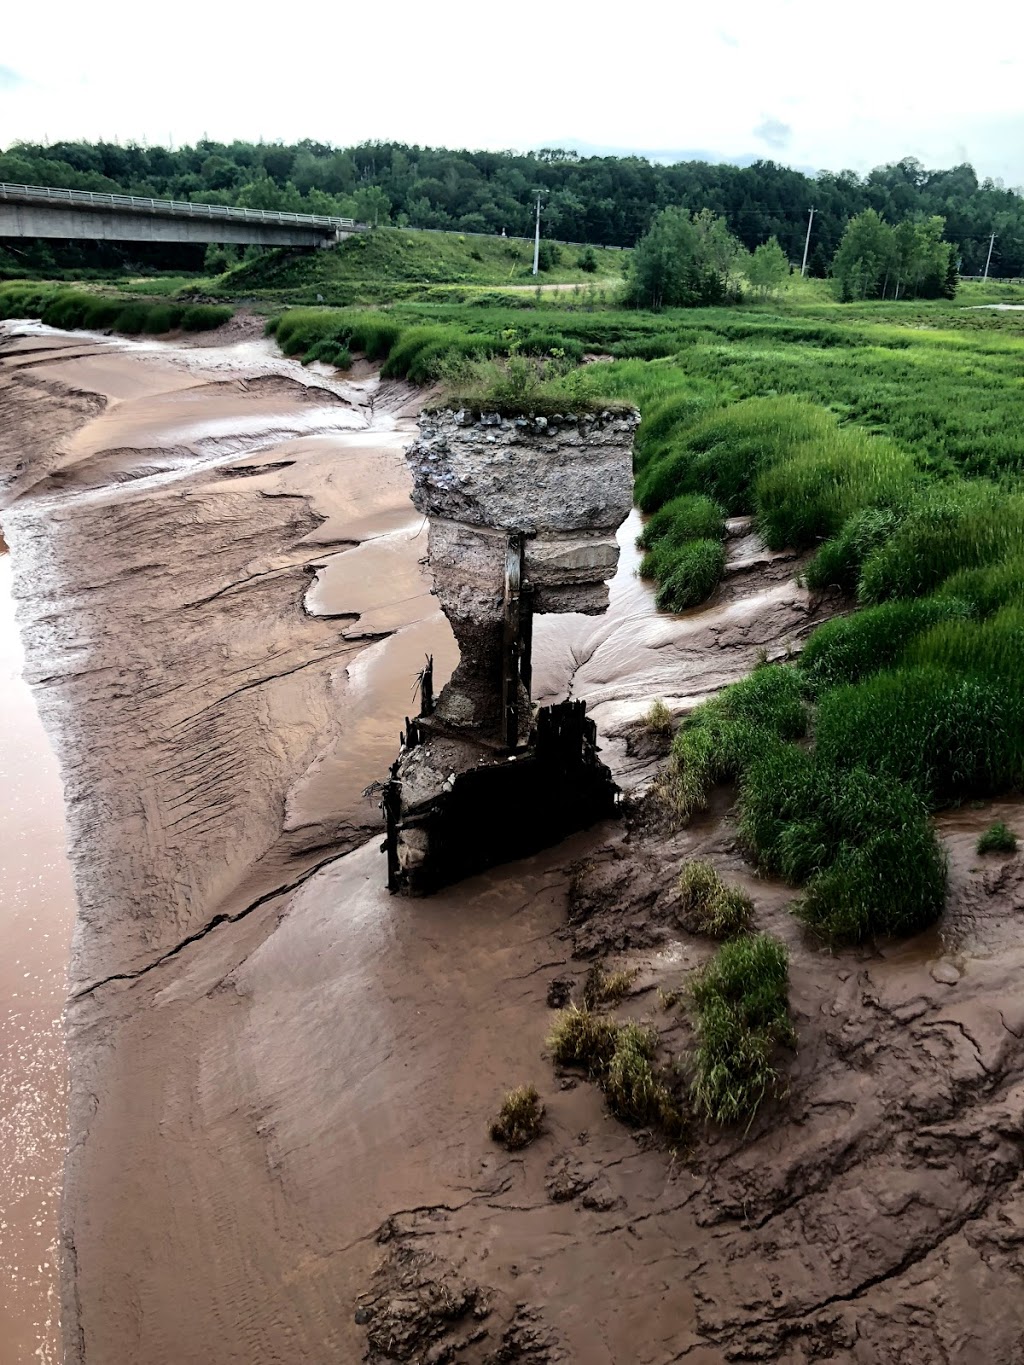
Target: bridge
{"x":41,"y":211}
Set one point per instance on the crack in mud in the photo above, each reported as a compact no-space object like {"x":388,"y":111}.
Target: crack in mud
{"x":214,"y":923}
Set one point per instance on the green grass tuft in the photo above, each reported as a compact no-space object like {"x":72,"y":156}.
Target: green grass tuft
{"x":519,"y":1118}
{"x":582,"y":1038}
{"x":658,"y":718}
{"x":741,"y":1006}
{"x":861,"y":842}
{"x":722,"y":736}
{"x":708,"y":906}
{"x":689,"y":573}
{"x":998,"y":839}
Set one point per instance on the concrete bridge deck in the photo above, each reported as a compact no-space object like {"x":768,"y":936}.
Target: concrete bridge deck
{"x":42,"y":211}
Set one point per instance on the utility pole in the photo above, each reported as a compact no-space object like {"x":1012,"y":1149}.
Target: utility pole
{"x":536,"y":241}
{"x":807,"y":244}
{"x":988,"y":262}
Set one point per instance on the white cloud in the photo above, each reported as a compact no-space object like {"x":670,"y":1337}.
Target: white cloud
{"x":852,"y":89}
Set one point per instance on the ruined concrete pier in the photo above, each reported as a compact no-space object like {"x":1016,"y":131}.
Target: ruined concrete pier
{"x":523,"y":512}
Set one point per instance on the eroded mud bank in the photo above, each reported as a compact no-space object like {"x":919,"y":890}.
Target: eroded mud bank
{"x":282,"y":1078}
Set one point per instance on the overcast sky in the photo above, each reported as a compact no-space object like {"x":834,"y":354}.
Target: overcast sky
{"x":805,"y":82}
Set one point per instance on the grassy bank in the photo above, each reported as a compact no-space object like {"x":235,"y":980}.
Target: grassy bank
{"x":72,"y":309}
{"x":384,"y":264}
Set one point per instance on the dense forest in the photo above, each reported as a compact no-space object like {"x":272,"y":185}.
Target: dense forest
{"x":603,"y":200}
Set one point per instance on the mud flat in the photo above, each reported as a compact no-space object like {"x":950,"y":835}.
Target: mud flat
{"x":36,"y":912}
{"x":281,"y":1078}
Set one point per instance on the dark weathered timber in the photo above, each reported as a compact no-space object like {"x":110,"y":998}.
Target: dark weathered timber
{"x":391,"y":805}
{"x":508,"y":808}
{"x":511,"y":645}
{"x":526,"y":637}
{"x":427,"y":688}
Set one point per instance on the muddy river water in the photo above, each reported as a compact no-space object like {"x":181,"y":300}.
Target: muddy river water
{"x":280,"y":1078}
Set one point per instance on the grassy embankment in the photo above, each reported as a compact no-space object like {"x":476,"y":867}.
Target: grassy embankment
{"x":72,"y":308}
{"x":395,"y":263}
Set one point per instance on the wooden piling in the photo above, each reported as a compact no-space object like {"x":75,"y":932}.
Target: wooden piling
{"x":511,"y":641}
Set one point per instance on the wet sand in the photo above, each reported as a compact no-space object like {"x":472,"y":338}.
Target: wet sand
{"x":282,"y":1078}
{"x":36,"y":913}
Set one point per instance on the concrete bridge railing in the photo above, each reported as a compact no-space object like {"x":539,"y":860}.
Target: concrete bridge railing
{"x":44,"y":211}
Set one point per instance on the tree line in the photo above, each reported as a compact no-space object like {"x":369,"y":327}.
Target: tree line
{"x":690,"y":259}
{"x":609,"y":201}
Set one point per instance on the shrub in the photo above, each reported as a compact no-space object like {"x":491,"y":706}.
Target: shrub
{"x":717,"y":741}
{"x":708,"y":906}
{"x":689,"y":574}
{"x":519,"y":1118}
{"x":741,"y":1011}
{"x":946,"y":734}
{"x":997,"y":839}
{"x":852,"y":647}
{"x":862,"y":842}
{"x":689,"y":517}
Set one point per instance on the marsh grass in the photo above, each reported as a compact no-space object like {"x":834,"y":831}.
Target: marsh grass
{"x":741,"y":1017}
{"x":987,"y":589}
{"x":849,"y":648}
{"x":721,"y":737}
{"x":948,"y":528}
{"x":708,"y":906}
{"x":947,"y":734}
{"x":583,"y":1038}
{"x":689,"y":517}
{"x":997,"y":839}
{"x":658,"y":718}
{"x":688,"y":573}
{"x":519,"y":1119}
{"x":861,"y":843}
{"x":77,"y":309}
{"x":620,"y":1058}
{"x":811,"y":492}
{"x":839,"y":562}
{"x":603,"y":987}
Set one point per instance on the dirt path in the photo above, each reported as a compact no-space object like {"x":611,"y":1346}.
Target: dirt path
{"x":282,"y":1078}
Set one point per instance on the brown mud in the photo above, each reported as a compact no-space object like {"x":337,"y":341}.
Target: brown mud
{"x":282,"y":1079}
{"x":37,"y":906}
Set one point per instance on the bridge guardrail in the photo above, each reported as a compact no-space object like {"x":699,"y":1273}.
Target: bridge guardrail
{"x":172,"y":208}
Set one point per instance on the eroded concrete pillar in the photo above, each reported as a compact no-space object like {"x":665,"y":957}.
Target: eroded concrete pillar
{"x":523,"y":513}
